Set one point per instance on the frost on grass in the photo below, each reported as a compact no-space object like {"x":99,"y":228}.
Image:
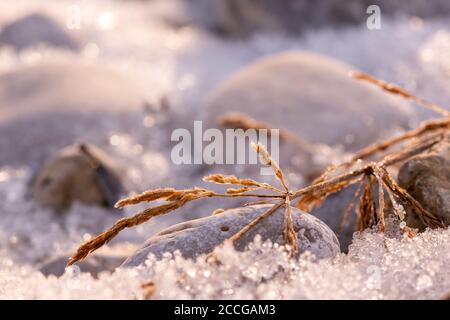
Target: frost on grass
{"x":375,"y":268}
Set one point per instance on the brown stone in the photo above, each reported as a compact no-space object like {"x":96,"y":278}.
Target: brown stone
{"x":427,"y":178}
{"x":77,"y":173}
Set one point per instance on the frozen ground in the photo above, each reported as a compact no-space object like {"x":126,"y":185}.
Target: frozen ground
{"x":184,"y":64}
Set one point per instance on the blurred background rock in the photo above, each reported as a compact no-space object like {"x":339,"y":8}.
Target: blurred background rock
{"x":239,"y":18}
{"x":34,"y":29}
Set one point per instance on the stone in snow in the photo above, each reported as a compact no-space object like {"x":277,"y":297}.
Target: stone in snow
{"x":239,"y":18}
{"x":331,"y":212}
{"x":313,"y":97}
{"x":200,"y":236}
{"x":427,"y":178}
{"x":34,"y":29}
{"x":77,"y":173}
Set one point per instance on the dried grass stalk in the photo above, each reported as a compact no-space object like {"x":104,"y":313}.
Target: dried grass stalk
{"x":351,"y":205}
{"x":396,"y":90}
{"x":147,"y":196}
{"x":212,"y":257}
{"x":428,"y":134}
{"x":389,"y":160}
{"x":254,"y":222}
{"x":240,"y":120}
{"x":366,"y":207}
{"x":223,"y":179}
{"x":381,"y":203}
{"x":425,"y":216}
{"x":398,"y":209}
{"x":428,"y":126}
{"x":231,"y":179}
{"x":313,"y":200}
{"x":254,"y":203}
{"x":135,"y":220}
{"x":289,"y":234}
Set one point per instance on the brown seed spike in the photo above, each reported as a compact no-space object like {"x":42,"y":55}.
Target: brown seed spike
{"x":266,"y":158}
{"x":223,"y":179}
{"x":146,"y":196}
{"x":254,"y":222}
{"x":350,"y":206}
{"x":366,"y":205}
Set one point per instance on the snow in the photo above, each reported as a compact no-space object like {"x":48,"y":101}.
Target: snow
{"x":375,"y":268}
{"x":184,"y":64}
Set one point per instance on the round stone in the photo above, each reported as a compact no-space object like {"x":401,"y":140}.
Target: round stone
{"x":77,"y":173}
{"x":34,"y":29}
{"x":311,"y":96}
{"x":427,"y":178}
{"x":54,"y":104}
{"x":200,"y":236}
